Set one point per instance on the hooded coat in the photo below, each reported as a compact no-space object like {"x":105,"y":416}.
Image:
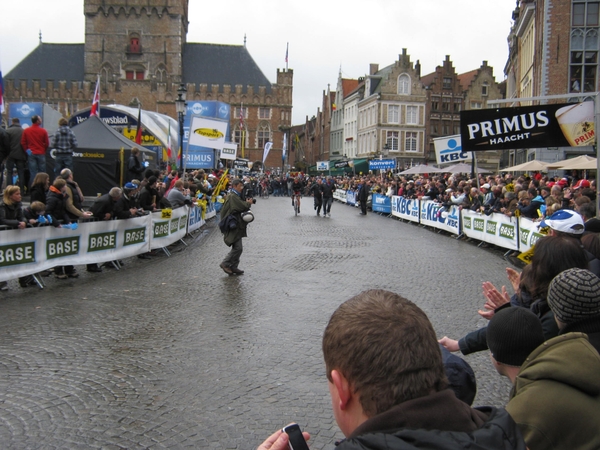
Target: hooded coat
{"x":556,"y":396}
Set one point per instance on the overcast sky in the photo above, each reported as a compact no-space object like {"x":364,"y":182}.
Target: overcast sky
{"x":323,"y":35}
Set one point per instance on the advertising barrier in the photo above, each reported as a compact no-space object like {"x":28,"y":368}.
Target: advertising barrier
{"x":436,"y":216}
{"x":351,"y":198}
{"x":340,"y":195}
{"x":497,"y":229}
{"x":25,"y":252}
{"x":405,"y":208}
{"x":381,"y":204}
{"x":529,"y":233}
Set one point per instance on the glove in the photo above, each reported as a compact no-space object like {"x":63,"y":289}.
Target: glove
{"x":42,"y":219}
{"x":29,"y":152}
{"x":49,"y":218}
{"x":71,"y":226}
{"x":146,"y":163}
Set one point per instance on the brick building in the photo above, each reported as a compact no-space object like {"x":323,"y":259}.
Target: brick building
{"x":140,"y":51}
{"x":553,"y":51}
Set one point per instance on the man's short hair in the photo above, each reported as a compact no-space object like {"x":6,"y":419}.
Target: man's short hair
{"x":16,"y":121}
{"x":386,"y":348}
{"x":178,"y":184}
{"x":236,"y":182}
{"x":115,"y":192}
{"x":65,"y":174}
{"x":59,"y":183}
{"x":587,"y":210}
{"x":35,"y":119}
{"x":62,"y":122}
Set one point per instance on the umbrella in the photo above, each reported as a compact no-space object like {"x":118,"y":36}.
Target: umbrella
{"x":462,"y":168}
{"x":533,"y":165}
{"x":583,"y":162}
{"x":421,"y":168}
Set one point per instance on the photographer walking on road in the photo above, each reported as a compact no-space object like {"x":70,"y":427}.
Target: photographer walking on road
{"x":235,"y":206}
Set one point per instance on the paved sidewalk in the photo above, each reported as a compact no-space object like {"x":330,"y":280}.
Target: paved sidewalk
{"x":173,"y":353}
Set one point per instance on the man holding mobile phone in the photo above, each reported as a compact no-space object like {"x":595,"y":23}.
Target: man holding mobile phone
{"x":396,"y":395}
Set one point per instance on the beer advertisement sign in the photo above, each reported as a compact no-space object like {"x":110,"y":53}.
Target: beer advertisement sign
{"x":557,"y":125}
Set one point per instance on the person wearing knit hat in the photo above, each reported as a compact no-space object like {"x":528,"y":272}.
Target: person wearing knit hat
{"x":512,"y":334}
{"x":556,"y":385}
{"x":574,"y":298}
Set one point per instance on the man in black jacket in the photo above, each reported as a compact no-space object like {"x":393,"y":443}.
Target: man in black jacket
{"x":17,"y":156}
{"x":390,"y":391}
{"x":363,"y":196}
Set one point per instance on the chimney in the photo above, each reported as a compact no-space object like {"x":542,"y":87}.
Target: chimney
{"x":373,"y":69}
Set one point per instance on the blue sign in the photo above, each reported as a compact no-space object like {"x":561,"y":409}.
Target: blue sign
{"x":211,"y":109}
{"x":24,"y":111}
{"x":110,"y":117}
{"x":382,"y":164}
{"x":200,"y":159}
{"x":381,"y":203}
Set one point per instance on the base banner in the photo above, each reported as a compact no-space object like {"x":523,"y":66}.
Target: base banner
{"x":497,"y":229}
{"x":529,"y":233}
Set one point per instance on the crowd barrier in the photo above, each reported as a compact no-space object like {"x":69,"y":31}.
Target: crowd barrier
{"x":29,"y":251}
{"x":506,"y":232}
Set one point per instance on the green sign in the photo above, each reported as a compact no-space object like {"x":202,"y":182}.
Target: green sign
{"x":102,"y":241}
{"x":135,"y":236}
{"x":58,"y":248}
{"x":13,"y":254}
{"x":479,"y":225}
{"x":507,"y":231}
{"x":161,"y":229}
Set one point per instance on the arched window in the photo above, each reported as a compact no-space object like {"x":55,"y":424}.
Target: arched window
{"x":404,"y":84}
{"x":161,"y":74}
{"x":237,"y":135}
{"x":263,"y":135}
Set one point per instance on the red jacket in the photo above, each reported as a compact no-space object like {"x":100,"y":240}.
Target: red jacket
{"x":36,"y":139}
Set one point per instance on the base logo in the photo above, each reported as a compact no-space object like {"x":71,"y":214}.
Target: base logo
{"x":22,"y":253}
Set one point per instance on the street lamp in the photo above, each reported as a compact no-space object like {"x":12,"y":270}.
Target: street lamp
{"x":180,"y":105}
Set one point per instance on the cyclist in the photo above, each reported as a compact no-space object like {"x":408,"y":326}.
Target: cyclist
{"x":297,"y":187}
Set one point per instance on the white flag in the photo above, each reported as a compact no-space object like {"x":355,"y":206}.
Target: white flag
{"x":284,"y":146}
{"x":268,"y":146}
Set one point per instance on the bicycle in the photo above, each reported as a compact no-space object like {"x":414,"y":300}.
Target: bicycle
{"x":296,"y":202}
{"x":264,"y":193}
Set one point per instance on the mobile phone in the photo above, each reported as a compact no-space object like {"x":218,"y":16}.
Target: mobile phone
{"x":297,"y":441}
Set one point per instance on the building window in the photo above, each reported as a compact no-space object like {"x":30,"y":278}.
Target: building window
{"x":263,"y":135}
{"x":404,"y":84}
{"x":447,"y":83}
{"x":435,"y":103}
{"x":134,"y":74}
{"x":393,"y":114}
{"x":446,"y":129}
{"x":134,"y":45}
{"x":583,"y":64}
{"x":264,"y":113}
{"x":391,"y":140}
{"x":457,"y":105}
{"x":476,"y":105}
{"x":412,"y":117}
{"x":410,"y":142}
{"x":484,"y":90}
{"x":445,"y":104}
{"x":237,"y":136}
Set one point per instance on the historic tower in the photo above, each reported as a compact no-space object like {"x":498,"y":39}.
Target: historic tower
{"x":136,"y":46}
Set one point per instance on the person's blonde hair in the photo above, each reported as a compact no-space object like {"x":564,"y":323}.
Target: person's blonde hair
{"x":8,"y":193}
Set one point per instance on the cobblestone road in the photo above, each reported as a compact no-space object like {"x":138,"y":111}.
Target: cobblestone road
{"x":172,"y":353}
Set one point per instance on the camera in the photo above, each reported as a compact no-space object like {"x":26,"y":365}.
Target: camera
{"x":253,"y":201}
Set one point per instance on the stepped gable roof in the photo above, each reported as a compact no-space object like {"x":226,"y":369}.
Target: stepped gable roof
{"x":222,"y":64}
{"x":467,"y":78}
{"x":58,"y":62}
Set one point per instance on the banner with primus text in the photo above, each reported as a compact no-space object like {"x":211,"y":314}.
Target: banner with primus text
{"x":559,"y":125}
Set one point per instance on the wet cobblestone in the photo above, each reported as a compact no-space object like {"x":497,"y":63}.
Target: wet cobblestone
{"x":173,"y":353}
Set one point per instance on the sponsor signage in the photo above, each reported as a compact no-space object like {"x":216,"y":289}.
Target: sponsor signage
{"x":382,"y":164}
{"x":322,"y":166}
{"x":449,"y":150}
{"x":342,"y":164}
{"x":24,"y":111}
{"x":229,"y":151}
{"x":557,"y":125}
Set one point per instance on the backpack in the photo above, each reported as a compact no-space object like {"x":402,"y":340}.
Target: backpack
{"x":228,"y":223}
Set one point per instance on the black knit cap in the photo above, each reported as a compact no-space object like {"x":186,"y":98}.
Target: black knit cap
{"x":574,"y":295}
{"x":512,"y":334}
